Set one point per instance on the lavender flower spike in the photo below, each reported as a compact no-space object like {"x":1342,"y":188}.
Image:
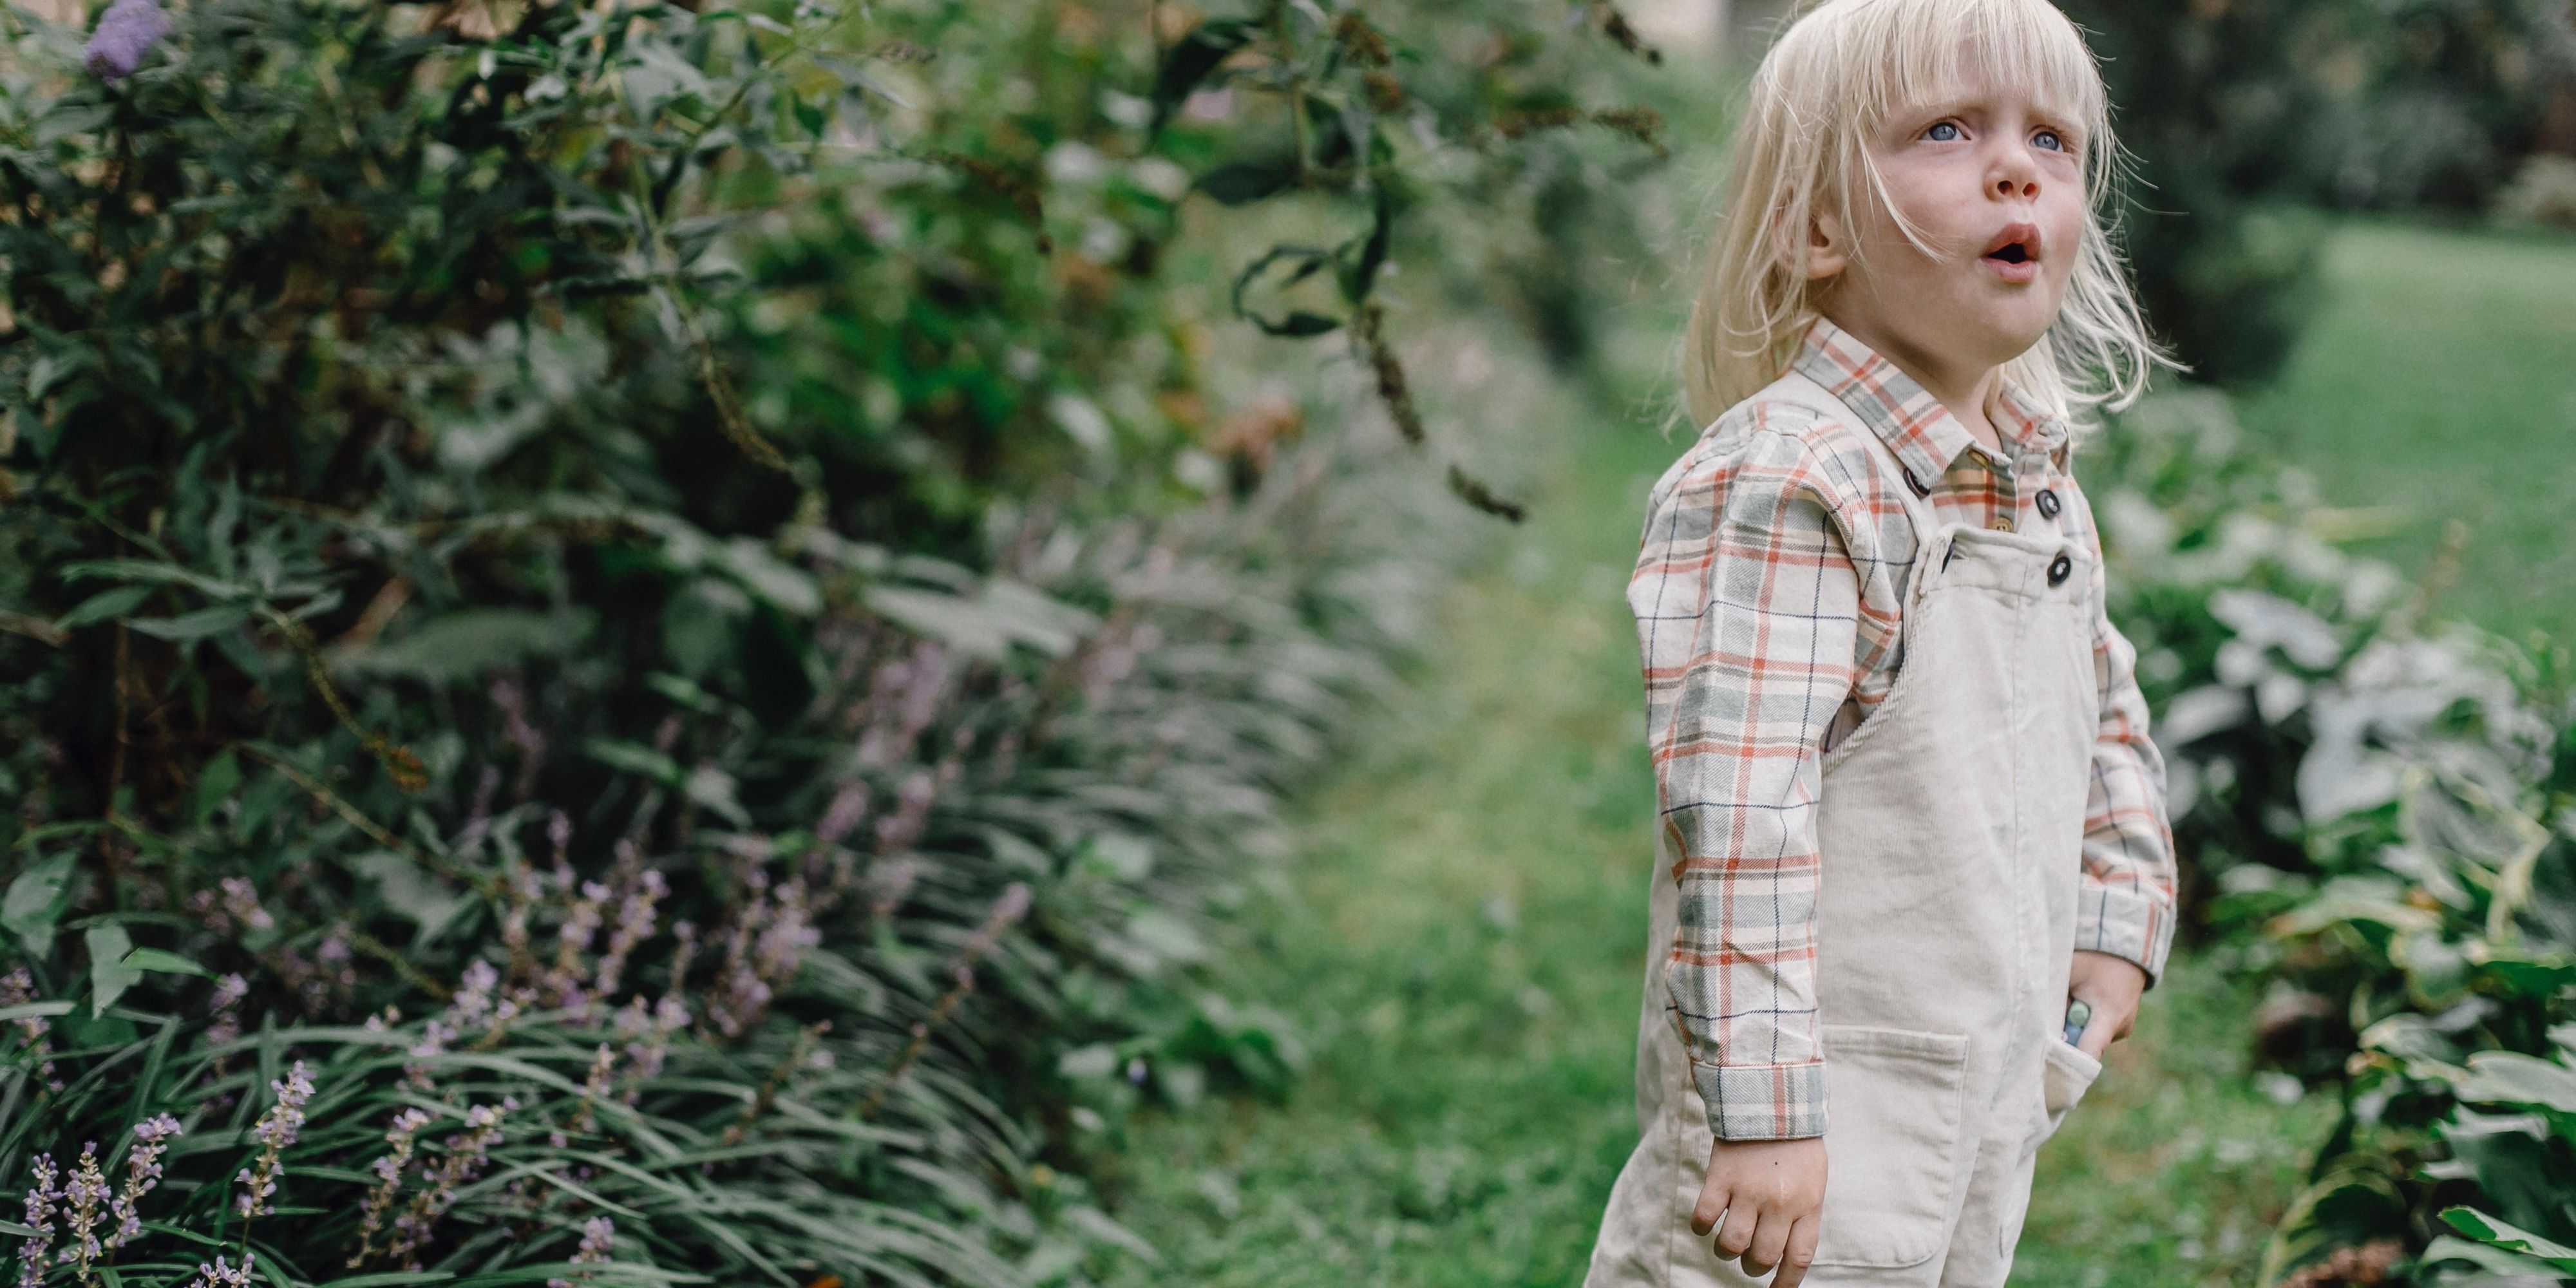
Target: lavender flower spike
{"x":41,"y":1200}
{"x":275,"y":1131}
{"x":126,"y":32}
{"x":142,"y":1173}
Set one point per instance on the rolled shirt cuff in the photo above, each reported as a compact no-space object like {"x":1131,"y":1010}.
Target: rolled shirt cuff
{"x":1763,"y":1101}
{"x":2125,"y":923}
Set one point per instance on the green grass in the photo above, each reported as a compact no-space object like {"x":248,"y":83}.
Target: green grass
{"x":2439,"y":377}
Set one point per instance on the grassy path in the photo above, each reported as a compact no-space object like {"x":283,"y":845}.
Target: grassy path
{"x":1465,"y":945}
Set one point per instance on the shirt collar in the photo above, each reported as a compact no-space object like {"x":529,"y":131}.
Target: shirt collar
{"x":1914,"y":424}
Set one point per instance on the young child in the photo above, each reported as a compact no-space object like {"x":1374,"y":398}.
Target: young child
{"x":1909,"y":807}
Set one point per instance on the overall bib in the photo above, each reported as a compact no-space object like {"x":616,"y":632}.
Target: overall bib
{"x":1950,"y":828}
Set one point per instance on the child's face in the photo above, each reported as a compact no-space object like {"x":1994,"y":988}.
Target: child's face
{"x":1978,"y":176}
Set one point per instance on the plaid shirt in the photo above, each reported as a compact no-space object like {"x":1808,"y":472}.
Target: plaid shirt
{"x":1770,"y":578}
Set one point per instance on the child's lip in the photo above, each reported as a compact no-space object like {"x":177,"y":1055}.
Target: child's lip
{"x":2010,"y":272}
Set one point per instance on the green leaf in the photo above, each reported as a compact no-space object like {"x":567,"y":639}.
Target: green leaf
{"x":416,"y":894}
{"x":2510,"y":1077}
{"x":713,"y":788}
{"x":193,"y":626}
{"x":460,"y":645}
{"x":2485,"y":1256}
{"x":216,"y":784}
{"x":36,"y":900}
{"x":1299,"y":324}
{"x":166,"y":962}
{"x":1240,"y":182}
{"x":635,"y":758}
{"x":2504,"y":1234}
{"x":109,"y":975}
{"x":1190,"y":61}
{"x":102,"y":606}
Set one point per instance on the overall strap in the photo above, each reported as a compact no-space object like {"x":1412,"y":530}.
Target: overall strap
{"x":1802,"y":389}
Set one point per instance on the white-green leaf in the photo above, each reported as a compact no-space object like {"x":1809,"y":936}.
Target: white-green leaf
{"x":2504,"y":1234}
{"x":109,"y":975}
{"x":36,"y":901}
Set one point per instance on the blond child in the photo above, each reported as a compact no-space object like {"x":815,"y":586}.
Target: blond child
{"x":1909,"y":808}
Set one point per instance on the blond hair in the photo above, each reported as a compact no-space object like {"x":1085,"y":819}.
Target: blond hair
{"x":1825,"y":88}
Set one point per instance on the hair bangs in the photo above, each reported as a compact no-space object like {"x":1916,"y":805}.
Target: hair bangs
{"x":1938,"y":51}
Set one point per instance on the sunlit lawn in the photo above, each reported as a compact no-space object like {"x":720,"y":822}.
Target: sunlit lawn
{"x":2439,"y":377}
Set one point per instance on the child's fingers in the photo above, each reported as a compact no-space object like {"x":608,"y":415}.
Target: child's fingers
{"x":2095,"y":1039}
{"x":1770,"y":1239}
{"x":1712,"y":1200}
{"x":1801,"y":1251}
{"x":1736,"y":1234}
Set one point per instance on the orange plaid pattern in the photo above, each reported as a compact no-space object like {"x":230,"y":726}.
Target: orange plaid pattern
{"x":1768,"y":589}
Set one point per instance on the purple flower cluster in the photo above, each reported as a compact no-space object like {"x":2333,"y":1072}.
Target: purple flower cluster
{"x":18,"y":988}
{"x":220,"y":1275}
{"x":82,"y":1196}
{"x":126,"y":32}
{"x":41,"y":1198}
{"x":276,"y":1131}
{"x":467,"y":1151}
{"x":142,"y":1172}
{"x":389,"y":1170}
{"x":598,"y":1234}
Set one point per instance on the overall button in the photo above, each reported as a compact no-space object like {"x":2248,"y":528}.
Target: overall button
{"x":2002,"y":523}
{"x":2047,"y":503}
{"x":2059,"y":569}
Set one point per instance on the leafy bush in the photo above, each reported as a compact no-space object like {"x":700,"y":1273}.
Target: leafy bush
{"x":2376,"y":815}
{"x":635,"y":641}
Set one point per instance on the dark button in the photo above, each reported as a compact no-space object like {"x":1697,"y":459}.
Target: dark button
{"x":1913,"y":482}
{"x":2059,"y":569}
{"x":2048,"y":503}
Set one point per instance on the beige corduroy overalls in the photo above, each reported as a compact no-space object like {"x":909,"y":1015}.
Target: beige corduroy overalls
{"x":1949,"y":829}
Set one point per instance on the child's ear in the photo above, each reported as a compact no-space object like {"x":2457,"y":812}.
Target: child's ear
{"x":1828,"y":251}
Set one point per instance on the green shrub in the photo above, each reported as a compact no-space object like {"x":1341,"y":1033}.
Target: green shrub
{"x":637,"y":643}
{"x":2375,"y":816}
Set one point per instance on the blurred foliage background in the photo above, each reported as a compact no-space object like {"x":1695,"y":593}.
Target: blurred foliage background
{"x":980,"y":643}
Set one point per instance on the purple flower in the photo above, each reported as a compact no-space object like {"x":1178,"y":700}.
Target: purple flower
{"x":128,"y":31}
{"x":41,"y":1200}
{"x":142,"y":1173}
{"x":275,"y":1131}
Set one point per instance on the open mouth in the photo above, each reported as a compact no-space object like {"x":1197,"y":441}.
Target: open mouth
{"x":2010,"y":253}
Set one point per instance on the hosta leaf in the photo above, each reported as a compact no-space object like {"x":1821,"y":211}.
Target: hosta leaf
{"x":2510,"y":1077}
{"x":2503,"y":1234}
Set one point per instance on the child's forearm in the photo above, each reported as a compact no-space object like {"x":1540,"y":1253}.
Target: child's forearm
{"x":1745,"y":666}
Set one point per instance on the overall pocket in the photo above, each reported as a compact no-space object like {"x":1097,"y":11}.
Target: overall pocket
{"x":1894,"y":1099}
{"x":2065,"y":1075}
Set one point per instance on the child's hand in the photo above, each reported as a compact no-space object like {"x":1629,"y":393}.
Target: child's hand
{"x":2110,"y":984}
{"x":1773,"y":1193}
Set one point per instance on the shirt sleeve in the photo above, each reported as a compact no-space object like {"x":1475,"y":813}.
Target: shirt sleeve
{"x":2125,"y":897}
{"x":1745,"y":599}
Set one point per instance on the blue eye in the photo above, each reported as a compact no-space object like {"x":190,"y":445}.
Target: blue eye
{"x":2053,"y":140}
{"x":1935,"y":134}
